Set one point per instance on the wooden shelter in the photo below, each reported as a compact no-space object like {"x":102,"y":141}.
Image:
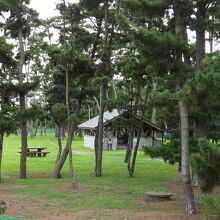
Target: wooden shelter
{"x":116,"y":132}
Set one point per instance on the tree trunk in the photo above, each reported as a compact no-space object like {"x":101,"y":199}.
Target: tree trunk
{"x":154,"y":110}
{"x":56,"y":131}
{"x":188,"y":193}
{"x":41,"y":128}
{"x":185,"y":166}
{"x":132,"y":113}
{"x":36,"y":127}
{"x":100,"y":134}
{"x":130,"y":145}
{"x":30,"y":126}
{"x":201,"y":123}
{"x":60,"y":163}
{"x":63,"y":135}
{"x":23,"y":123}
{"x":114,"y":90}
{"x":131,"y":166}
{"x":59,"y":141}
{"x":45,"y":127}
{"x":1,"y":151}
{"x":69,"y":145}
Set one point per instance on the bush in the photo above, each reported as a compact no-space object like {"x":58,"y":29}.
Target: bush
{"x":212,"y":207}
{"x":2,"y":207}
{"x":206,"y":165}
{"x":171,"y":150}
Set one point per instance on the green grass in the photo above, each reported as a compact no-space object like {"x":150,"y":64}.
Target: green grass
{"x":115,"y":190}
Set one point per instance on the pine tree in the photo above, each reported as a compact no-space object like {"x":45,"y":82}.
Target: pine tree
{"x":18,"y":27}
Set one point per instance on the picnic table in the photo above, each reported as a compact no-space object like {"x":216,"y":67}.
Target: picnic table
{"x":36,"y":152}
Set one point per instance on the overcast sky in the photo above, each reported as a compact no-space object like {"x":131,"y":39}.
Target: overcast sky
{"x":46,"y":8}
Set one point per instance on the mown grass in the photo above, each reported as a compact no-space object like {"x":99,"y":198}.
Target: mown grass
{"x":115,"y":190}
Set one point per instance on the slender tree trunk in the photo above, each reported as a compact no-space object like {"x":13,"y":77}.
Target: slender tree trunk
{"x":69,"y":144}
{"x":1,"y":152}
{"x":95,"y":45}
{"x":45,"y":127}
{"x":63,"y":135}
{"x":185,"y":167}
{"x":31,"y":128}
{"x":114,"y":89}
{"x":71,"y":127}
{"x":96,"y":146}
{"x":100,"y":134}
{"x":201,"y":15}
{"x":130,"y":144}
{"x":36,"y":127}
{"x":41,"y":128}
{"x":23,"y":125}
{"x":59,"y":144}
{"x":132,"y":113}
{"x":131,"y":166}
{"x":154,"y":110}
{"x":89,"y":113}
{"x":56,"y":131}
{"x":131,"y":130}
{"x":65,"y":152}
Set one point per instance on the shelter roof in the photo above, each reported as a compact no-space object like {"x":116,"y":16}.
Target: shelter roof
{"x":92,"y":124}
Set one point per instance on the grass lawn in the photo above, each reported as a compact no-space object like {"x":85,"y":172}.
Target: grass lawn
{"x":114,"y":196}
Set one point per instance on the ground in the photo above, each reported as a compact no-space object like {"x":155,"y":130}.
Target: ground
{"x":113,"y":196}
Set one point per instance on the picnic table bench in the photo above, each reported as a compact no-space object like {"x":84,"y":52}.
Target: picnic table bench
{"x":36,"y":152}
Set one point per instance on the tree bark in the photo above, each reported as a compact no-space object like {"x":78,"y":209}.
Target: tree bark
{"x":188,"y":193}
{"x":131,"y":166}
{"x":30,"y":126}
{"x":41,"y":128}
{"x":1,"y":152}
{"x":114,"y":90}
{"x":69,"y":145}
{"x":184,"y":123}
{"x":45,"y":127}
{"x":36,"y":127}
{"x":59,"y":141}
{"x":100,"y":134}
{"x":132,"y":113}
{"x":23,"y":122}
{"x":63,"y":135}
{"x":201,"y":16}
{"x":154,"y":110}
{"x":60,"y":163}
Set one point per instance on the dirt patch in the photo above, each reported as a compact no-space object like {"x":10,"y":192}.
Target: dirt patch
{"x":172,"y":210}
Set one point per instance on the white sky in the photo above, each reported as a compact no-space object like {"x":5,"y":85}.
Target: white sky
{"x":46,"y":8}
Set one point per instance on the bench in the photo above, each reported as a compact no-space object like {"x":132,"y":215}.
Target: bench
{"x":157,"y":196}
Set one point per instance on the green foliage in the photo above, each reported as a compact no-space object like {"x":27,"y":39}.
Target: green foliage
{"x":206,"y":164}
{"x":2,"y":207}
{"x":212,"y":207}
{"x":170,"y":151}
{"x":59,"y":113}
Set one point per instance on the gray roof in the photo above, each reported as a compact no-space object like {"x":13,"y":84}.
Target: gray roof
{"x":93,"y":123}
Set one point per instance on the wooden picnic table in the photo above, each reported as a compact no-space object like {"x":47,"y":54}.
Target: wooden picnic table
{"x":36,"y":152}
